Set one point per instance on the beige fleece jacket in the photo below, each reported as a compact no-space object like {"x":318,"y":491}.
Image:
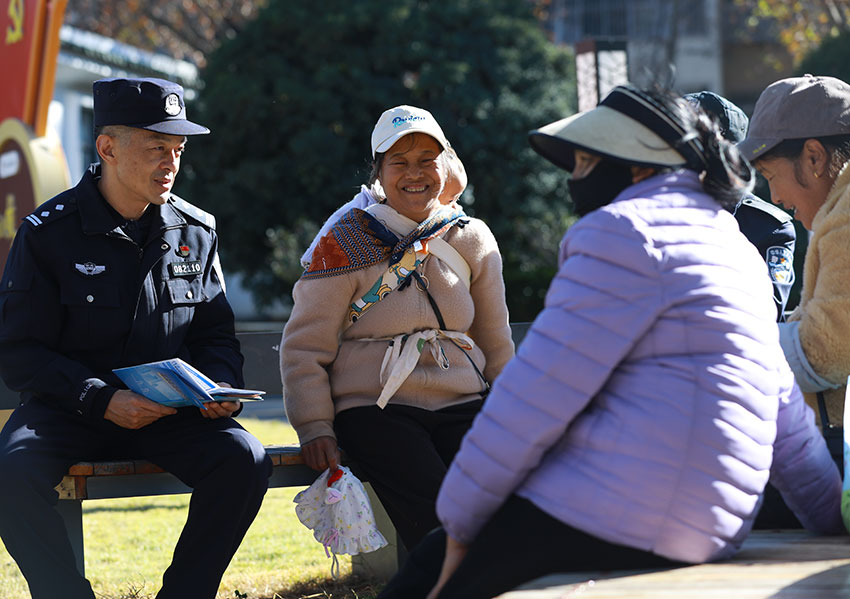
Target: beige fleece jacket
{"x":824,"y":310}
{"x":328,"y":366}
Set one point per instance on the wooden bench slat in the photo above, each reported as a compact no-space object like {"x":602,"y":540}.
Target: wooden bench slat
{"x":81,"y":469}
{"x":285,"y":455}
{"x":114,"y":468}
{"x":281,"y":455}
{"x":75,"y":484}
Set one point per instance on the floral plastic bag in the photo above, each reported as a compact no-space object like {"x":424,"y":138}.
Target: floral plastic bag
{"x":336,"y":508}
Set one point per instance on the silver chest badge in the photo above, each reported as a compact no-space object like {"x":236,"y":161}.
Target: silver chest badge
{"x":90,"y":268}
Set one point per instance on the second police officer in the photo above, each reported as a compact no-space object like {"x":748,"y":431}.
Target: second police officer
{"x":768,"y":227}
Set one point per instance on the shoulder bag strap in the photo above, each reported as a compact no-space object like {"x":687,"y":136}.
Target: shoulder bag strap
{"x":443,"y":250}
{"x":824,"y":415}
{"x":420,"y":282}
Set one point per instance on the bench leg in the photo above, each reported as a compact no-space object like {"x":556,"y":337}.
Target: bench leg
{"x":71,"y":511}
{"x":383,"y":563}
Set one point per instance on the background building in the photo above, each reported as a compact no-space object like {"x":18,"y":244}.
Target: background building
{"x":691,"y":44}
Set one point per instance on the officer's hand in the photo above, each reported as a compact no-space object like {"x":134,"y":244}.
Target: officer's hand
{"x":220,"y":409}
{"x":321,"y":453}
{"x":131,"y":410}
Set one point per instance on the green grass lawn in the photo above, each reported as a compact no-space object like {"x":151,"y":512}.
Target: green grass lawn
{"x":129,"y":543}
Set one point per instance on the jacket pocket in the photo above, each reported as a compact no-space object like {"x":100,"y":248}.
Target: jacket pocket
{"x":185,"y":292}
{"x":92,"y":313}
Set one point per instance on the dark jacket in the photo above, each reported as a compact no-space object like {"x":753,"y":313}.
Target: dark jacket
{"x":771,"y":230}
{"x":79,"y":297}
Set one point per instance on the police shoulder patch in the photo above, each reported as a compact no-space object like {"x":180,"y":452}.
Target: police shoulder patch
{"x":192,"y":211}
{"x":780,"y":264}
{"x":52,"y":210}
{"x":771,"y":209}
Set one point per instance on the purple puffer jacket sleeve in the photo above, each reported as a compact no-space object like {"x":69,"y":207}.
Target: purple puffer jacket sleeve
{"x":803,"y":470}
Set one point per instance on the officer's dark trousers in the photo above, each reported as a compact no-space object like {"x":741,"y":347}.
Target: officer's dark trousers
{"x":405,"y":452}
{"x":225,"y":465}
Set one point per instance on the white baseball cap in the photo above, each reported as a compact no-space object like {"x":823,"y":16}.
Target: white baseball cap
{"x":397,"y":122}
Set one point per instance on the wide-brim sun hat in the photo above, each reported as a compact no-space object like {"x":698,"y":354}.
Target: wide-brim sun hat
{"x":628,"y":126}
{"x":403,"y":120}
{"x":797,"y":108}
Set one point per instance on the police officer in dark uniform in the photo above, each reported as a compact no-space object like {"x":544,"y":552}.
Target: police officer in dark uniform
{"x":768,"y":227}
{"x":115,"y":272}
{"x":771,"y":230}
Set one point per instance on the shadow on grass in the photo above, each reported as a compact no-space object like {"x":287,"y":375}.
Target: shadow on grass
{"x":135,"y":508}
{"x":347,"y":587}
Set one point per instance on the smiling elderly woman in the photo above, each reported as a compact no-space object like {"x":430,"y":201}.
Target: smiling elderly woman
{"x":391,"y":371}
{"x":799,"y":139}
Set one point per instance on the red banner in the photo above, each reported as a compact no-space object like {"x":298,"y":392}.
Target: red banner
{"x":21,"y":33}
{"x":32,"y":166}
{"x":29,"y":44}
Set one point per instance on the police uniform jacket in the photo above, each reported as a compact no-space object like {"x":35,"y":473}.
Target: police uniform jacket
{"x":79,"y":297}
{"x":771,"y":230}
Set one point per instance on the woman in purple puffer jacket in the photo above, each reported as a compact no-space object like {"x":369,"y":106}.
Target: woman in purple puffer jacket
{"x":650,"y":402}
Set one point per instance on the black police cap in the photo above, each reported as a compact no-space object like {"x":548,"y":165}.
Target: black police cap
{"x":733,"y":121}
{"x":152,"y":104}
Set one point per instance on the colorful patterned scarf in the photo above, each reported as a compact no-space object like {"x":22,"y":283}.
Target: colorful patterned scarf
{"x":359,"y":240}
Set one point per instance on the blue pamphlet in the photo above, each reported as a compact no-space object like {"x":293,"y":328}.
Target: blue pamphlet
{"x":176,"y":384}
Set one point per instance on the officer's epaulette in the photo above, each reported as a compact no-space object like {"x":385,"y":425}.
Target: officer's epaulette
{"x":52,"y":210}
{"x":775,"y":211}
{"x":205,"y":218}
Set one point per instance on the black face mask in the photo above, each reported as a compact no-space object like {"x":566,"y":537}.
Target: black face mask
{"x":600,"y":187}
